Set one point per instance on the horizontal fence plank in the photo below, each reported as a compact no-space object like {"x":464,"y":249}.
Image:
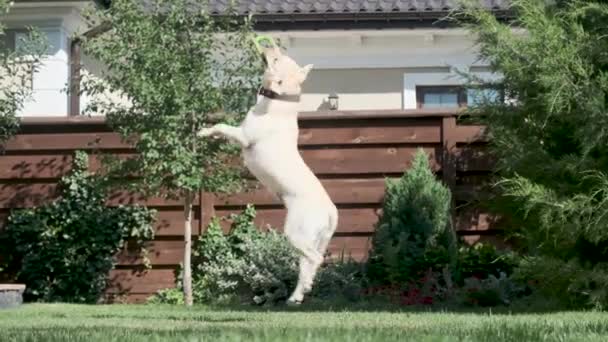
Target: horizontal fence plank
{"x":469,"y":134}
{"x":170,"y":253}
{"x":13,"y":196}
{"x":371,"y":132}
{"x":161,"y":253}
{"x":171,"y":222}
{"x":373,"y":160}
{"x":355,"y":247}
{"x":137,"y":281}
{"x":25,"y":195}
{"x":342,"y":191}
{"x":34,"y":167}
{"x":351,"y":220}
{"x":65,"y":142}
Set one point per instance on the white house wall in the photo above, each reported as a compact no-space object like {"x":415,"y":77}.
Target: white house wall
{"x":367,"y":69}
{"x":57,"y":20}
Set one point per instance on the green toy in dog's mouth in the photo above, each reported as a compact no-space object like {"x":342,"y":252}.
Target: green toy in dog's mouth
{"x":258,"y":42}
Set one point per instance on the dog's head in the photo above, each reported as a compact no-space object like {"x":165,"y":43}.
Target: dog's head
{"x":282,"y":74}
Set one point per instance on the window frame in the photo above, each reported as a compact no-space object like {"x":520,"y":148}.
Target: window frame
{"x":413,"y":80}
{"x":422,"y":90}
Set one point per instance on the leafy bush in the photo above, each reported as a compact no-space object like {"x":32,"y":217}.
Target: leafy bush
{"x":482,"y":260}
{"x":551,"y":142}
{"x":344,"y":279}
{"x":251,"y":266}
{"x":246,"y":265}
{"x":173,"y":296}
{"x":571,"y":282}
{"x":65,"y":249}
{"x":414,"y":233}
{"x":491,"y":291}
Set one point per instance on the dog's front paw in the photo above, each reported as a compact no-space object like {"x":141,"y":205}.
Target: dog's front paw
{"x":205,"y":132}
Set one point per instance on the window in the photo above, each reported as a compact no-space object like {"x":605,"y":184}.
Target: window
{"x":452,"y":96}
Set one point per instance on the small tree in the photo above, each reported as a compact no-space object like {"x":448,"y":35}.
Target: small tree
{"x":16,"y":68}
{"x":176,"y":65}
{"x":414,"y":232}
{"x":552,"y":141}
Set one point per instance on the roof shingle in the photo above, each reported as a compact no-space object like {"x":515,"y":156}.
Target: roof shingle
{"x":303,"y":7}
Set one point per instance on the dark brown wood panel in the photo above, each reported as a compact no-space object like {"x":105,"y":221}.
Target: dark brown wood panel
{"x":171,"y":223}
{"x":170,"y":253}
{"x":342,"y":191}
{"x":34,"y":167}
{"x":351,"y":220}
{"x":26,"y":195}
{"x":67,"y":142}
{"x":374,"y":160}
{"x":469,"y":134}
{"x":165,"y":253}
{"x":370,"y":132}
{"x":138,"y":281}
{"x":355,"y":247}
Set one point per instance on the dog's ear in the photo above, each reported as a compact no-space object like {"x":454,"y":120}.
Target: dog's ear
{"x":306,"y":69}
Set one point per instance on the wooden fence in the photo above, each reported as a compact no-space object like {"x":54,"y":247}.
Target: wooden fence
{"x":351,"y":152}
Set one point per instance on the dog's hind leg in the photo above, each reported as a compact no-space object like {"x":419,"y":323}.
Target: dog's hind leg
{"x":327,"y":233}
{"x":300,"y":229}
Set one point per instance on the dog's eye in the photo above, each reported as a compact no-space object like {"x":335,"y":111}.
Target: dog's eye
{"x":275,"y":60}
{"x":280,"y":82}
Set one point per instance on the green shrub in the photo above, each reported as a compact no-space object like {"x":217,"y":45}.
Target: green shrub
{"x":246,"y":265}
{"x":551,"y":144}
{"x":251,"y":266}
{"x":414,"y":233}
{"x":482,"y":260}
{"x":573,"y":283}
{"x":65,"y":249}
{"x":490,"y":291}
{"x":173,"y":296}
{"x":341,"y":280}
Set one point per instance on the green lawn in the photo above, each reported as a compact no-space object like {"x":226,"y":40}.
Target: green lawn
{"x":59,"y":322}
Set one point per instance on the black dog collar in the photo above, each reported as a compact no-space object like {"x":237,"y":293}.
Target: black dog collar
{"x":273,"y":95}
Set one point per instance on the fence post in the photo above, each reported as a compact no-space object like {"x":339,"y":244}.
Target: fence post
{"x":206,"y":210}
{"x":448,"y":159}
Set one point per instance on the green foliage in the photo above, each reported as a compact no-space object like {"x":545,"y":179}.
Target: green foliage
{"x":177,"y":65}
{"x":414,"y":232}
{"x":65,"y":249}
{"x":551,"y":141}
{"x":172,"y":296}
{"x":491,"y":291}
{"x":16,"y":68}
{"x":343,"y":279}
{"x":574,"y":284}
{"x":251,"y":266}
{"x":246,"y":265}
{"x":482,"y":260}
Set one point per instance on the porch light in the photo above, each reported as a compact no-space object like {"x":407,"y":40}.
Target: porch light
{"x":333,"y":101}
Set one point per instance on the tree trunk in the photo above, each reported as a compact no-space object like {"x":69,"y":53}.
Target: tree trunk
{"x":187,"y":281}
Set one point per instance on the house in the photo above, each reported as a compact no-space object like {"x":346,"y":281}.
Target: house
{"x":372,"y":54}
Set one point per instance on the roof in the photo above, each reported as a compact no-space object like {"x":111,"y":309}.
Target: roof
{"x":312,"y":7}
{"x":345,"y":14}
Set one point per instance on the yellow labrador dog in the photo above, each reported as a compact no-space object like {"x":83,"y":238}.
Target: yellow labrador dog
{"x":269,"y":139}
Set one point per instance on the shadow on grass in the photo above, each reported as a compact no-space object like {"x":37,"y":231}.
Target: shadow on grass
{"x":523,"y":306}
